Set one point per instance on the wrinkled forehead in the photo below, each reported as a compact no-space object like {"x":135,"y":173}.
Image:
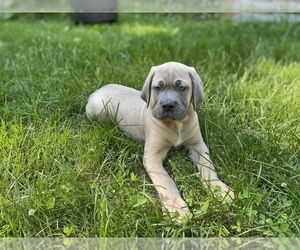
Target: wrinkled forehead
{"x":172,"y":72}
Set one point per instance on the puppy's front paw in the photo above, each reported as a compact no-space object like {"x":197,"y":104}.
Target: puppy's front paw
{"x":228,"y":195}
{"x":178,"y":209}
{"x":224,"y":191}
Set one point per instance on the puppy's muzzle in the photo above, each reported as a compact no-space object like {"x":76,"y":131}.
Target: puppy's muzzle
{"x":169,"y":109}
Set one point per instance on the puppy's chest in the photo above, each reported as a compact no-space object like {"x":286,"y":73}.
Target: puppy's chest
{"x":178,"y":135}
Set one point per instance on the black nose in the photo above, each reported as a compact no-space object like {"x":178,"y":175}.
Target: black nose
{"x":168,"y":105}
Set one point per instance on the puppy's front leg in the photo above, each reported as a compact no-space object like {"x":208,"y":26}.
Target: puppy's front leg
{"x":200,"y":156}
{"x":164,"y":184}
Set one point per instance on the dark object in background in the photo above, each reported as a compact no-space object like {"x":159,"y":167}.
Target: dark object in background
{"x":90,"y":18}
{"x":94,"y":11}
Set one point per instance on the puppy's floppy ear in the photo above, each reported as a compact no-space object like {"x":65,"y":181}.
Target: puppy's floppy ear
{"x":146,"y":91}
{"x":197,"y":88}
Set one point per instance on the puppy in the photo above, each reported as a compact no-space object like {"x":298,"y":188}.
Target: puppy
{"x":163,"y":115}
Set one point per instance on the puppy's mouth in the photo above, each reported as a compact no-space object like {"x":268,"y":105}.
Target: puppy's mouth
{"x":168,"y":115}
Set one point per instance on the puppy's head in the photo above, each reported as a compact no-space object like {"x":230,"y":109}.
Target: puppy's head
{"x":170,"y":89}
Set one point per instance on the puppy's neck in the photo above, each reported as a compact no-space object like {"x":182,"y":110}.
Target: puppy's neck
{"x":178,"y":125}
{"x":179,"y":133}
{"x":176,"y":135}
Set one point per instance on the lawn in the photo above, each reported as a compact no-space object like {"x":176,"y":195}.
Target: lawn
{"x":63,"y":176}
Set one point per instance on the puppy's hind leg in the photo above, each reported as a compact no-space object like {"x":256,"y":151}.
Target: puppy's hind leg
{"x":99,"y":107}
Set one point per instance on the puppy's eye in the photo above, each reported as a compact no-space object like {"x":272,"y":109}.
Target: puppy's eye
{"x":157,"y":88}
{"x":181,"y":88}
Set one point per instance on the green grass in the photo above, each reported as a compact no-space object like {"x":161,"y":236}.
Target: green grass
{"x":63,"y":176}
